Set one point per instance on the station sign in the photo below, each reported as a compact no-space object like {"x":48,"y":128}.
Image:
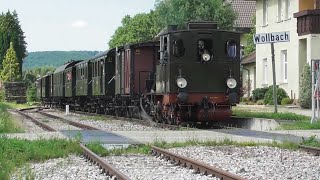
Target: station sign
{"x":273,"y":37}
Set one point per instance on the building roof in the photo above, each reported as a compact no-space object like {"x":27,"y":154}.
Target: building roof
{"x":251,"y":58}
{"x":245,"y":10}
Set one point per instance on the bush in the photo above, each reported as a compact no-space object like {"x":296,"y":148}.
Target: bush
{"x":259,"y":93}
{"x":32,"y":94}
{"x":305,"y":86}
{"x":286,"y":101}
{"x":268,"y":97}
{"x":260,"y":102}
{"x":2,"y":95}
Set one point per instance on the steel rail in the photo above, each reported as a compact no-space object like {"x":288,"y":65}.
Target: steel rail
{"x":199,"y":167}
{"x":313,"y":150}
{"x":106,"y":167}
{"x":42,"y":125}
{"x":76,"y":124}
{"x":30,"y":108}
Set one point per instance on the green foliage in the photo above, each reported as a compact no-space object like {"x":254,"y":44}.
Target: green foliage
{"x":7,"y":124}
{"x":270,"y":115}
{"x":286,"y":101}
{"x":145,"y":26}
{"x":268,"y":97}
{"x":54,"y":59}
{"x":259,"y":93}
{"x":10,"y":31}
{"x":139,"y":28}
{"x":260,"y":102}
{"x":15,"y":153}
{"x":2,"y":95}
{"x":10,"y":66}
{"x":305,"y":87}
{"x":301,"y":125}
{"x":250,"y":47}
{"x":179,"y":12}
{"x":311,"y":141}
{"x":32,"y":94}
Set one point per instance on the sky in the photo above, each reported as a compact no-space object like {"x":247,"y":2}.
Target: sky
{"x":65,"y":25}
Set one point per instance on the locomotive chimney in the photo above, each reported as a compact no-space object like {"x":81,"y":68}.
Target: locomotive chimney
{"x":202,"y":25}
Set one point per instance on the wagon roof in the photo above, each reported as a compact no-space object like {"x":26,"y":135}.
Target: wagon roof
{"x":65,"y":66}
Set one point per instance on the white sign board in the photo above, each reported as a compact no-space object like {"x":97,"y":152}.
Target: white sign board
{"x":274,"y":37}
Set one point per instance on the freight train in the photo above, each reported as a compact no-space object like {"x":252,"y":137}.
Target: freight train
{"x":183,"y":77}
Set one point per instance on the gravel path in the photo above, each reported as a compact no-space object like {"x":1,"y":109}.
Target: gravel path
{"x":70,"y":168}
{"x":257,"y":162}
{"x":105,"y":123}
{"x":149,"y":167}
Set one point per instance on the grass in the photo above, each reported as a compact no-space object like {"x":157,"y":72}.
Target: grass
{"x":270,"y":115}
{"x":312,"y":141}
{"x":16,"y":153}
{"x":299,"y":122}
{"x":7,"y":124}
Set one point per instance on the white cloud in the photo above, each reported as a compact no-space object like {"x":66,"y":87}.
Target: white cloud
{"x":79,"y":24}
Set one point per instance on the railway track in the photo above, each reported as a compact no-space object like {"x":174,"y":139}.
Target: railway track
{"x":102,"y":164}
{"x":76,"y":124}
{"x":199,"y":167}
{"x":156,"y":151}
{"x":313,"y":150}
{"x":40,"y":124}
{"x":138,"y":121}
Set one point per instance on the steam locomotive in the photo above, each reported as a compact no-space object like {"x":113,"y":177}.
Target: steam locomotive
{"x":184,"y":77}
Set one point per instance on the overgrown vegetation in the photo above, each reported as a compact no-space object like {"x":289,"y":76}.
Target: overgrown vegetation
{"x":7,"y":124}
{"x":251,"y":47}
{"x":302,"y":125}
{"x":258,"y":93}
{"x":305,"y":88}
{"x":16,"y":153}
{"x":268,"y":97}
{"x":312,"y":141}
{"x":270,"y":115}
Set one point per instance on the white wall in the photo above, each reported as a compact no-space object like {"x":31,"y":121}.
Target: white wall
{"x":251,"y":68}
{"x":292,"y":47}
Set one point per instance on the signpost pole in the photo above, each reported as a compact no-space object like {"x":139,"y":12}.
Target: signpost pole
{"x":274,"y":80}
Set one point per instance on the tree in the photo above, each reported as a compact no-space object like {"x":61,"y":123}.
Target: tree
{"x":305,"y":87}
{"x":251,"y":47}
{"x":11,"y":67}
{"x":144,"y":27}
{"x":141,"y":27}
{"x":10,"y":31}
{"x":178,"y":12}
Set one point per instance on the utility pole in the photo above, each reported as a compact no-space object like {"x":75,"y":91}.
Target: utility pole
{"x":274,"y":80}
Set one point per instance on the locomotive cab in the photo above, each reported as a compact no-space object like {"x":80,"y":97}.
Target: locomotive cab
{"x":197,"y":78}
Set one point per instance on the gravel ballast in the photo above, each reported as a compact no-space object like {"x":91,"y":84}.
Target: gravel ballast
{"x":257,"y":162}
{"x":105,"y":123}
{"x":149,"y":167}
{"x":71,"y":168}
{"x":248,"y":162}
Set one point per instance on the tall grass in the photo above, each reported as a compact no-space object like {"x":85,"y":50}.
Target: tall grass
{"x":15,"y":153}
{"x":270,"y":115}
{"x":7,"y":124}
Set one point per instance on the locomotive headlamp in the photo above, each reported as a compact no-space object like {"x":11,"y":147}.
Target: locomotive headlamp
{"x":206,"y":57}
{"x":181,"y":82}
{"x":231,"y":83}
